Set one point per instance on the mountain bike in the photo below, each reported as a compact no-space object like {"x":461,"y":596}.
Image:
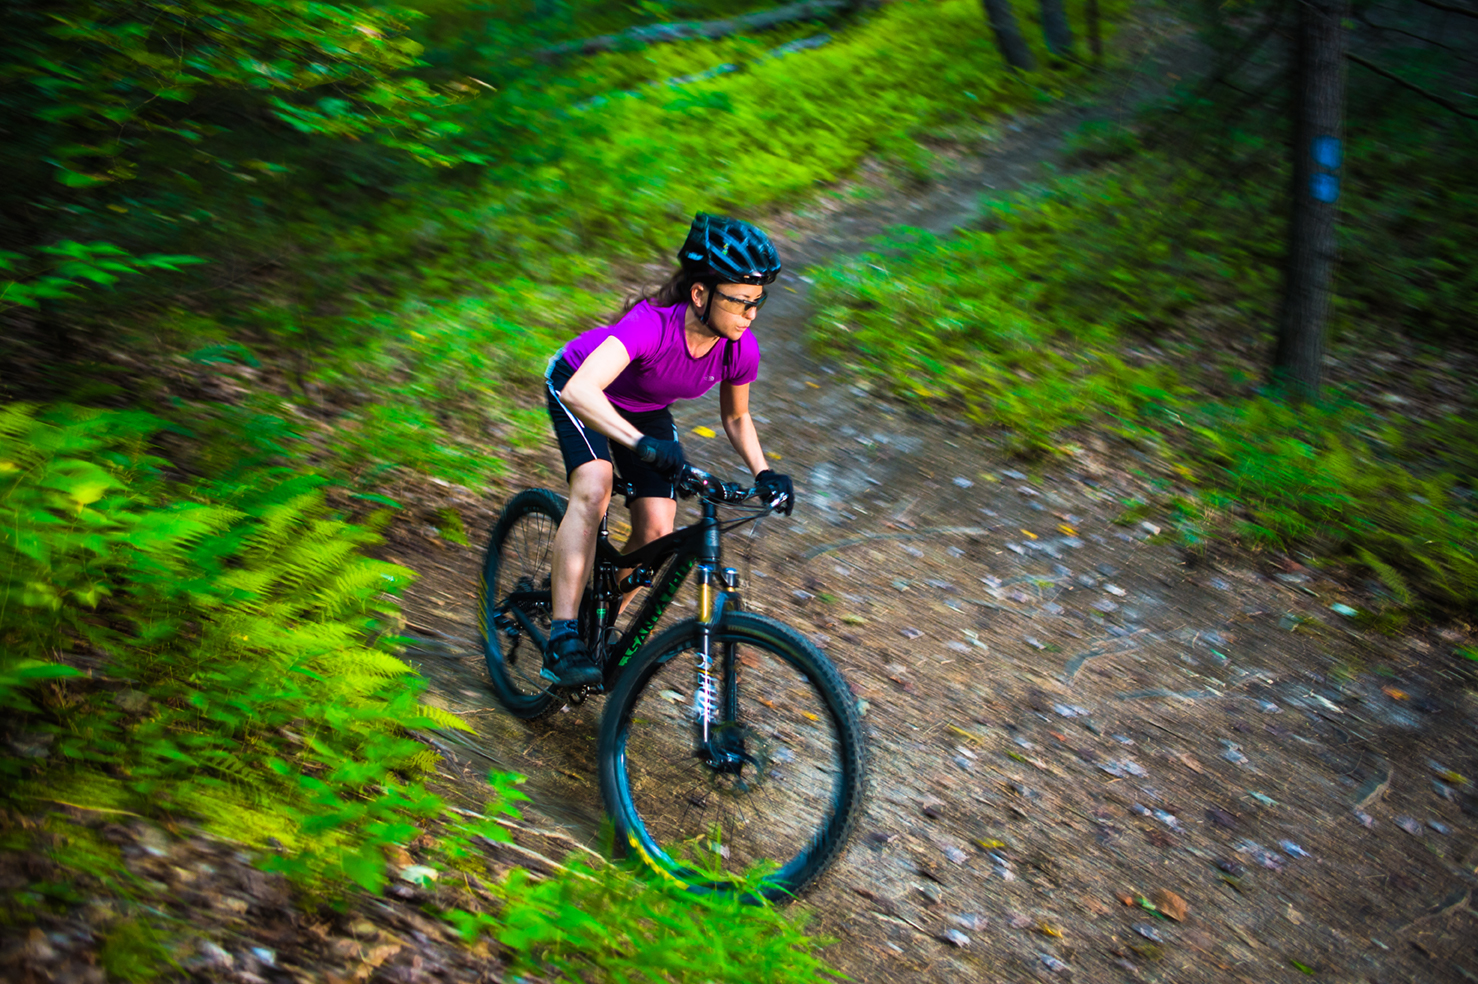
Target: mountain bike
{"x":731,"y":754}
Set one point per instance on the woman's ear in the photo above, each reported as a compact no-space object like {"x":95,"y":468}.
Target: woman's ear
{"x":697,"y":293}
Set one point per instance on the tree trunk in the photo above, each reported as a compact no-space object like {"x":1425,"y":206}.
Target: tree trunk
{"x":1055,"y":28}
{"x":1008,"y":35}
{"x":1095,"y":32}
{"x":1318,"y":106}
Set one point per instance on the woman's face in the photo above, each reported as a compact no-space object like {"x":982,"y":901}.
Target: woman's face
{"x":734,"y":307}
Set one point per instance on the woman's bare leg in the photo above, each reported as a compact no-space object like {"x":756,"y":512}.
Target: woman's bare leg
{"x":574,"y":543}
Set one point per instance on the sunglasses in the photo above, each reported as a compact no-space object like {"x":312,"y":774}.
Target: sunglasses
{"x":738,"y":305}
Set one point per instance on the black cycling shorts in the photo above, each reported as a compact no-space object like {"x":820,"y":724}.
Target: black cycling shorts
{"x":579,"y":444}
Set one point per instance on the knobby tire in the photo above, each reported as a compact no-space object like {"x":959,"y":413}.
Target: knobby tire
{"x":801,"y":797}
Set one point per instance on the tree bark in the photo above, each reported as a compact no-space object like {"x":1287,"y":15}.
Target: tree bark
{"x":1318,"y":149}
{"x":1095,"y":32}
{"x":1008,"y":35}
{"x":1055,"y":28}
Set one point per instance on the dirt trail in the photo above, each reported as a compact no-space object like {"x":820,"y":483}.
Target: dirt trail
{"x":1061,"y":713}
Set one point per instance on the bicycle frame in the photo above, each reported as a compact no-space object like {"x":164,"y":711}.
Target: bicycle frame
{"x":696,"y":546}
{"x":692,"y":546}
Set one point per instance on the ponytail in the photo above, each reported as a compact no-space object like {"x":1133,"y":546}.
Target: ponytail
{"x":677,"y":289}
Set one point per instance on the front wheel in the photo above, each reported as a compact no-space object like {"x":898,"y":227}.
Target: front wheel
{"x":767,"y":802}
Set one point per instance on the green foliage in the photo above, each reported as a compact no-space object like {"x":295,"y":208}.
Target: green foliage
{"x":1039,"y":325}
{"x":238,"y":614}
{"x":603,"y":924}
{"x":75,"y":265}
{"x":133,"y":952}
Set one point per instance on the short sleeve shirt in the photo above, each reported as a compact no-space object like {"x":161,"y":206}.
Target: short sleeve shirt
{"x":662,"y":370}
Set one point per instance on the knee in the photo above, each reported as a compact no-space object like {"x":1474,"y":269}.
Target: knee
{"x":589,"y":496}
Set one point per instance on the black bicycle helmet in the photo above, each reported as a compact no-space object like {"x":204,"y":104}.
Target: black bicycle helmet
{"x":728,"y":251}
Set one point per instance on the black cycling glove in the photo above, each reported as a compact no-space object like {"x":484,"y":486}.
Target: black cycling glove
{"x":777,"y":490}
{"x":665,"y":457}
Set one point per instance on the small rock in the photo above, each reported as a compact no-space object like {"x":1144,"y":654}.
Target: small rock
{"x":972,"y":921}
{"x":1033,"y":641}
{"x":1171,"y":905}
{"x":267,"y":957}
{"x":1019,"y":921}
{"x":1232,"y":752}
{"x":418,"y":874}
{"x":1170,"y":820}
{"x":909,"y":632}
{"x":1409,"y":825}
{"x":1069,"y":710}
{"x":1052,"y":963}
{"x":1150,"y":528}
{"x":153,"y":840}
{"x":1012,"y":473}
{"x":1115,"y":590}
{"x":802,"y":595}
{"x":1231,"y":867}
{"x":212,"y":955}
{"x":1366,"y":820}
{"x":956,"y":855}
{"x":1087,"y":580}
{"x":1107,"y":570}
{"x":1104,"y":605}
{"x":955,"y":937}
{"x":1439,"y":827}
{"x":1220,"y":585}
{"x":912,"y":551}
{"x":1293,"y":850}
{"x":963,"y":483}
{"x":1149,"y":932}
{"x":1344,"y":610}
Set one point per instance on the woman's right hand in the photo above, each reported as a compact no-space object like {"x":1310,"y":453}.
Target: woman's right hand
{"x":665,"y":457}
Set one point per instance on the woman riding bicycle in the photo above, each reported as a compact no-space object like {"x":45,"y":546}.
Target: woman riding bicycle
{"x":609,"y":394}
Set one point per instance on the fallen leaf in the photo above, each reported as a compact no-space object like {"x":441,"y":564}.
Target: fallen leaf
{"x":702,"y":431}
{"x":1171,"y":904}
{"x":1125,"y":897}
{"x":1029,"y":534}
{"x":967,"y":735}
{"x":1395,"y":694}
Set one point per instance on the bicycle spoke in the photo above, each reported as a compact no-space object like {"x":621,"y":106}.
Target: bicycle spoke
{"x":772,"y":808}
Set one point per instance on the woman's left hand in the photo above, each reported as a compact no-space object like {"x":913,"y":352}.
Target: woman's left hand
{"x":777,"y":490}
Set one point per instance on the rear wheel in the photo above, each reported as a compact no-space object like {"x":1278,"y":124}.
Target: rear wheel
{"x":515,"y":607}
{"x":768,"y":801}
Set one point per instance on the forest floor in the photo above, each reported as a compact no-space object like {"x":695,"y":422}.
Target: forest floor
{"x":1282,"y":791}
{"x":1213,"y":739}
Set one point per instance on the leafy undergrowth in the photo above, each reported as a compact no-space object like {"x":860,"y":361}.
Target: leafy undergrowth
{"x":413,"y":304}
{"x":216,"y":652}
{"x":1135,"y":299}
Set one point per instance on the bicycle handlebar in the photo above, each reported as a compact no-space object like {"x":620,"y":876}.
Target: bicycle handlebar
{"x":696,"y":481}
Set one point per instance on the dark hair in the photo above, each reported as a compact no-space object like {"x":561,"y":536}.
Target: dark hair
{"x":678,"y":289}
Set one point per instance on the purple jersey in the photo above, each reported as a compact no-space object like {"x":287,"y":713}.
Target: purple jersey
{"x":662,"y":370}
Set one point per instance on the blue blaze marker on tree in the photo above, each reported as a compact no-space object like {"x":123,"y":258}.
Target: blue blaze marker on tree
{"x":1327,"y":152}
